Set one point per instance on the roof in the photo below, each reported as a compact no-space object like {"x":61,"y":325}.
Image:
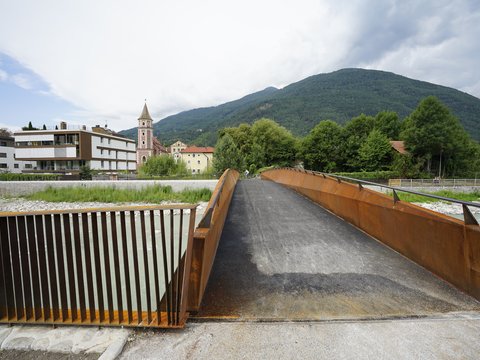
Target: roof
{"x":145,"y":114}
{"x":399,"y":146}
{"x":197,"y":149}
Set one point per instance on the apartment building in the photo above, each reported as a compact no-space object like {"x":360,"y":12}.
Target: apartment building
{"x":198,"y":159}
{"x":8,"y":162}
{"x":67,"y":149}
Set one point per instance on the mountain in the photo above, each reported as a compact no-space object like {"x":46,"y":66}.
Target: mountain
{"x":337,"y":96}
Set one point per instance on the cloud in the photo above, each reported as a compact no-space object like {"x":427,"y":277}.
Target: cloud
{"x":106,"y":57}
{"x":3,"y":75}
{"x":22,"y":81}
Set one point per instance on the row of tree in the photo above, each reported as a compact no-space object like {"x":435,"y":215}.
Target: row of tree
{"x":436,"y":142}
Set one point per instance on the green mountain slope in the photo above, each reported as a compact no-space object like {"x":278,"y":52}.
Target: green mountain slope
{"x":337,"y":96}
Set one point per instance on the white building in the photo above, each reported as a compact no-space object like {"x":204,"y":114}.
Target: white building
{"x":66,"y":150}
{"x":8,"y":163}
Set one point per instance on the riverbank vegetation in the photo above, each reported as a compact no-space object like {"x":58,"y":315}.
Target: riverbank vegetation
{"x":436,"y":145}
{"x":152,"y":194}
{"x":473,"y":196}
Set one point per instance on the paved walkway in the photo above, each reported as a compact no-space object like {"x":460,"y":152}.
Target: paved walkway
{"x":445,"y":337}
{"x":282,"y":257}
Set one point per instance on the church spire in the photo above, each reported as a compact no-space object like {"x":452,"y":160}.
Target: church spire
{"x":145,"y":114}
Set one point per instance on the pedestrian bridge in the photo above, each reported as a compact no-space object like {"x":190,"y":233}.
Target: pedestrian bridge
{"x":295,"y":245}
{"x":304,"y":246}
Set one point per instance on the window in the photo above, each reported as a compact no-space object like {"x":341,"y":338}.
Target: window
{"x":101,"y":151}
{"x":28,"y":166}
{"x":193,"y":155}
{"x":3,"y":166}
{"x":101,"y":139}
{"x":143,"y":123}
{"x":102,"y":164}
{"x":198,"y":162}
{"x":193,"y":170}
{"x":15,"y":166}
{"x":109,"y":152}
{"x":3,"y":155}
{"x":188,"y":161}
{"x":3,"y":143}
{"x":143,"y":142}
{"x":109,"y":141}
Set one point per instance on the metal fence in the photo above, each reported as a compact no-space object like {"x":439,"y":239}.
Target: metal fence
{"x":433,"y":182}
{"x":117,"y":267}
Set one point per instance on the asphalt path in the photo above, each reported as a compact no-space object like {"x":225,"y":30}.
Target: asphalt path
{"x":283,"y":257}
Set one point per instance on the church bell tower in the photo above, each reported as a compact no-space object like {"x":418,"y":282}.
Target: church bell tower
{"x":145,"y":136}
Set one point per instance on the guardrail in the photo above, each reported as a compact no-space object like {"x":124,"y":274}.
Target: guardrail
{"x":111,"y":266}
{"x":467,"y":214}
{"x":446,"y":246}
{"x":433,"y":182}
{"x":207,"y":236}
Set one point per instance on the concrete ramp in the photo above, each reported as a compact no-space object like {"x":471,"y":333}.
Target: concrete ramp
{"x":282,"y":257}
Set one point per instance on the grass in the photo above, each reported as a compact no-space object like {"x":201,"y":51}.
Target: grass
{"x":473,"y":196}
{"x":152,"y":194}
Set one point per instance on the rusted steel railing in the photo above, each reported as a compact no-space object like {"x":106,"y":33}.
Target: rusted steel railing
{"x":446,"y":246}
{"x":207,"y":236}
{"x":112,"y":266}
{"x":468,"y":217}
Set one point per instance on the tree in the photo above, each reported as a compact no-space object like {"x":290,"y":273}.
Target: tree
{"x":227,"y":155}
{"x":162,"y":165}
{"x":44,"y":127}
{"x":322,"y":149}
{"x":433,"y":134}
{"x":389,"y":124}
{"x":5,"y":132}
{"x":355,"y":133}
{"x":278,"y":144}
{"x":376,"y":152}
{"x":85,"y":172}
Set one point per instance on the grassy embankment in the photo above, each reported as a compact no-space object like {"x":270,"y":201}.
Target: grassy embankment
{"x":474,"y":196}
{"x":151,"y":194}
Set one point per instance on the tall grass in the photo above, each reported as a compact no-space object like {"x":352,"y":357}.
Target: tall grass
{"x":150,"y":194}
{"x":473,"y":196}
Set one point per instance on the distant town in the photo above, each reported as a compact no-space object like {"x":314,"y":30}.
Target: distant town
{"x":66,"y":149}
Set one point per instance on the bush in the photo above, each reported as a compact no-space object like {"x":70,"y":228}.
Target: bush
{"x":370,"y":175}
{"x":28,"y":177}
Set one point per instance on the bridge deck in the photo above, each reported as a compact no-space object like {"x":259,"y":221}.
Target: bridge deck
{"x":283,"y":257}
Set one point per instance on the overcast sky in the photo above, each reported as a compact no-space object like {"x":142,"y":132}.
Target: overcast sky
{"x":94,"y":62}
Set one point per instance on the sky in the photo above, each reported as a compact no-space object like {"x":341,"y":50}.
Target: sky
{"x":95,"y":62}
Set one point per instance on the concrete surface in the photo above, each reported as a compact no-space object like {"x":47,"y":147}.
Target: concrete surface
{"x":17,"y":188}
{"x":281,"y":256}
{"x":105,"y":343}
{"x":449,"y":337}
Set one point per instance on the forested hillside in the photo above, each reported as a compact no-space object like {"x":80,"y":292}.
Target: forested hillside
{"x":336,"y":96}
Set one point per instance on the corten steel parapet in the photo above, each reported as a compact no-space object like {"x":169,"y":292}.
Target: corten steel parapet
{"x":444,"y":245}
{"x":207,"y":236}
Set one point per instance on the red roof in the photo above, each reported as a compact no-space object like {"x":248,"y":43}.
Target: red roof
{"x":399,"y":146}
{"x":198,"y":149}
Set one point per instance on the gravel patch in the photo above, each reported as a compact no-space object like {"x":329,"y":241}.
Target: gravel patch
{"x":448,"y":209}
{"x":23,"y":205}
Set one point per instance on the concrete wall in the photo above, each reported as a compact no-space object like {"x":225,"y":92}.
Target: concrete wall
{"x":440,"y":243}
{"x":16,"y":188}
